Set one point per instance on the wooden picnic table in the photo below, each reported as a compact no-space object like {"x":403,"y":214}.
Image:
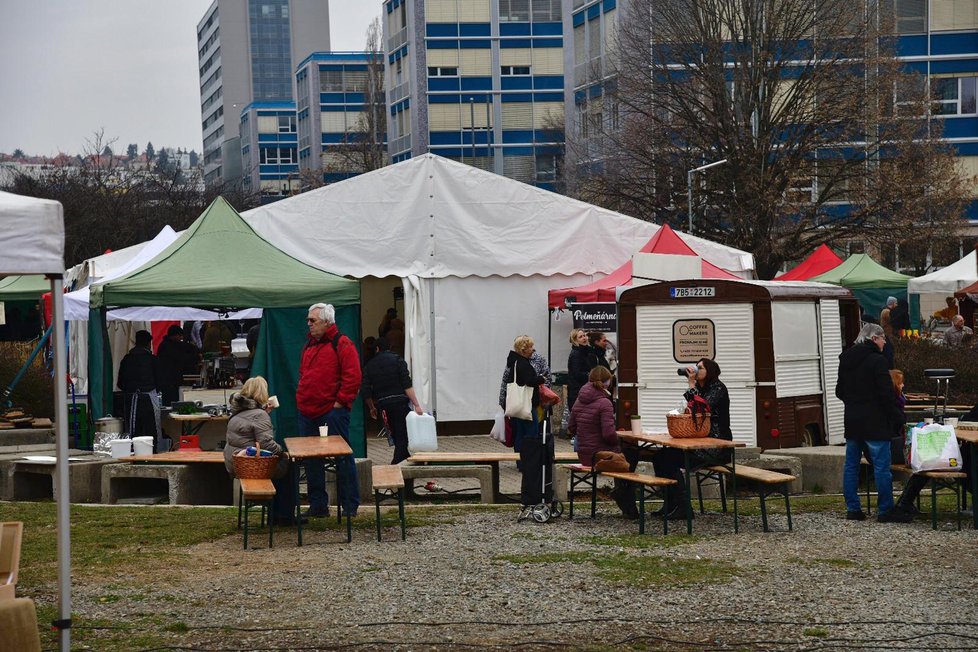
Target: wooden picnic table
{"x":664,"y":440}
{"x":968,"y":436}
{"x":329,"y":449}
{"x":180,"y":457}
{"x":490,"y":458}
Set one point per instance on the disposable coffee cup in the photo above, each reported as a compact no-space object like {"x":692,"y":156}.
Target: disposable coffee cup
{"x":273,"y":401}
{"x":951,"y":421}
{"x":323,"y":431}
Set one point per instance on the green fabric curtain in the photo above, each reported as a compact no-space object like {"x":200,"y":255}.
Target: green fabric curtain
{"x":99,"y":366}
{"x":23,"y":288}
{"x":280,"y":341}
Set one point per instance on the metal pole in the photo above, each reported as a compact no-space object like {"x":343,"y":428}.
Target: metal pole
{"x":689,"y":200}
{"x":472,"y":125}
{"x":61,"y":481}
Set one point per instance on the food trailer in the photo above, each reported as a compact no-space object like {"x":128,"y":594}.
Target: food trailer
{"x":777,"y":344}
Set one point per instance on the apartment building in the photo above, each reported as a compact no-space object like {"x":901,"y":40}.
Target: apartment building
{"x":477,"y":81}
{"x":269,"y":157}
{"x":247,"y":50}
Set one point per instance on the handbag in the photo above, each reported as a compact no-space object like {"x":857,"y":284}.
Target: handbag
{"x":548,"y":396}
{"x":934,"y":448}
{"x":609,"y":462}
{"x":519,"y":399}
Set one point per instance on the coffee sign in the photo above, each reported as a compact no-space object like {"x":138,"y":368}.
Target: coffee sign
{"x":693,"y":339}
{"x":595,"y":316}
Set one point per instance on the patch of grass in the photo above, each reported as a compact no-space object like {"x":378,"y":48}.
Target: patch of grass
{"x":635,"y":570}
{"x":178,"y":627}
{"x":817,"y":489}
{"x":641,"y":541}
{"x":818,"y":632}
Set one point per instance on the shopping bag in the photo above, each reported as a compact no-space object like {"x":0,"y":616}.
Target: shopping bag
{"x":519,"y":399}
{"x":934,"y":448}
{"x":548,"y":396}
{"x":498,"y":431}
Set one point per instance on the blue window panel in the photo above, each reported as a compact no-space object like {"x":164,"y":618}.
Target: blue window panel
{"x":333,"y":139}
{"x":441,"y":29}
{"x":593,"y":12}
{"x":580,"y":97}
{"x":514,"y":29}
{"x":477,"y":98}
{"x":544,"y":136}
{"x":517,"y":97}
{"x":960,"y":128}
{"x":912,"y":46}
{"x":476,"y":84}
{"x":448,"y":152}
{"x":445,"y":138}
{"x":516,"y":83}
{"x":475,"y":44}
{"x":516,"y":43}
{"x":520,"y":136}
{"x":548,"y":82}
{"x":960,"y":65}
{"x":443,"y":84}
{"x":966,"y":149}
{"x":445,"y":99}
{"x":474,"y":29}
{"x":548,"y":150}
{"x":578,"y":19}
{"x":966,"y":43}
{"x":594,"y":91}
{"x":548,"y":29}
{"x":401,"y":157}
{"x":548,"y":42}
{"x":332,"y":98}
{"x":269,"y":138}
{"x":548,"y":97}
{"x":518,"y":151}
{"x":389,"y":6}
{"x":450,"y":44}
{"x":916,"y":66}
{"x":335,"y":108}
{"x":546,"y":185}
{"x":971,"y":214}
{"x":608,"y":5}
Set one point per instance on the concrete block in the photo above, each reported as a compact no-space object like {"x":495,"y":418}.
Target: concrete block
{"x":26,"y":480}
{"x":821,"y":466}
{"x":481,"y":472}
{"x":181,"y":484}
{"x":26,"y":437}
{"x":783,"y":464}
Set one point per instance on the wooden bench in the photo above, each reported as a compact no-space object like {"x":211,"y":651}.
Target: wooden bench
{"x":11,"y":535}
{"x":388,"y":482}
{"x":647,"y":486}
{"x":953,"y":480}
{"x":769,"y":482}
{"x":256,"y":493}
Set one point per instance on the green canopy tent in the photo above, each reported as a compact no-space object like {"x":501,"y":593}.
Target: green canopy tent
{"x":871,"y":284}
{"x":220,"y":263}
{"x":22,"y":293}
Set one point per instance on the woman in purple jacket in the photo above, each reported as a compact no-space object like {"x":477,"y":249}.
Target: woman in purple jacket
{"x":592,"y":421}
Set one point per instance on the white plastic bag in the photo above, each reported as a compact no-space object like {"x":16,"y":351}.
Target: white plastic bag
{"x":934,"y":448}
{"x":422,"y":437}
{"x":498,"y":431}
{"x":519,"y":400}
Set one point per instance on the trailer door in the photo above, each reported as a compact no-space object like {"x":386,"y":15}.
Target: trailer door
{"x":660,"y":388}
{"x":830,"y":331}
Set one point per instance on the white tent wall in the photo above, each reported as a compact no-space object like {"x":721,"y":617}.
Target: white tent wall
{"x":476,"y":321}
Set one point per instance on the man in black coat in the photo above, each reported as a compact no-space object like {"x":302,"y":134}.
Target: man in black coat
{"x":871,"y":413}
{"x":387,"y":385}
{"x":138,"y":379}
{"x":175,"y":358}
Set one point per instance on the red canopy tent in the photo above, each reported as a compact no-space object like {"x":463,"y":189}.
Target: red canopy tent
{"x":665,"y":241}
{"x":822,"y":260}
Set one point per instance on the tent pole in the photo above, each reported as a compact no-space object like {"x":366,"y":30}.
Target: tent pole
{"x":431,"y":338}
{"x":550,"y":328}
{"x":63,"y":624}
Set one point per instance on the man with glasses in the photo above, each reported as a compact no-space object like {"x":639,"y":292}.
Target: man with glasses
{"x":871,"y":415}
{"x":329,"y":381}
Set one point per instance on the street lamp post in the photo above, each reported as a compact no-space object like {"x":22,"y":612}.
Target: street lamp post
{"x":689,"y":188}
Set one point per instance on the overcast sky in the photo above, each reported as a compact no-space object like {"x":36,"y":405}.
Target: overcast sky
{"x":71,"y":67}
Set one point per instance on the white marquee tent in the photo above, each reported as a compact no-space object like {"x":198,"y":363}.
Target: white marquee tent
{"x":33,"y":243}
{"x":476,"y":254}
{"x":933,"y":288}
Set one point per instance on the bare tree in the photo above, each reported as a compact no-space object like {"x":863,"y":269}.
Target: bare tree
{"x":364,"y":148}
{"x":796,"y":95}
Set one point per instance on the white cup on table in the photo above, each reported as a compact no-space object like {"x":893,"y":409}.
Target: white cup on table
{"x":323,"y":431}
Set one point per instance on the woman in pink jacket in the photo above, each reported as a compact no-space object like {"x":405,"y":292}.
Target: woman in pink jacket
{"x":592,"y":421}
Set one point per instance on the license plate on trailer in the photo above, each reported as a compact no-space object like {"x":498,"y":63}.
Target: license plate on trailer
{"x":692,"y":293}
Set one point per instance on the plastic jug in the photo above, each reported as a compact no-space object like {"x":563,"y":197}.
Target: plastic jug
{"x":422,"y":437}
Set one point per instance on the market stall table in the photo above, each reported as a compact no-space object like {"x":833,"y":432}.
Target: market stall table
{"x":663,"y":440}
{"x":329,"y":449}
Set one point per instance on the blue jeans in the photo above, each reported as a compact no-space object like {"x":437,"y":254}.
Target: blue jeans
{"x":338,"y":422}
{"x":879,"y":457}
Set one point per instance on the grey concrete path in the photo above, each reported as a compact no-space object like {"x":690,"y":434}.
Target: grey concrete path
{"x":509,"y":478}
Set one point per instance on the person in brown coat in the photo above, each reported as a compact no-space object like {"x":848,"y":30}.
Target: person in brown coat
{"x":592,"y":421}
{"x":250,"y":423}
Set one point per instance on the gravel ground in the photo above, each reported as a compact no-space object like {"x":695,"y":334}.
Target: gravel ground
{"x":465,"y":580}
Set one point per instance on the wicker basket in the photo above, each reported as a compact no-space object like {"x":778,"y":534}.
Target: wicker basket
{"x":684,"y":426}
{"x":254,"y":467}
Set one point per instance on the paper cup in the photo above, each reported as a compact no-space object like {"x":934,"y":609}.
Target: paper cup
{"x":323,"y":431}
{"x":951,"y":421}
{"x":273,"y":401}
{"x":636,"y":426}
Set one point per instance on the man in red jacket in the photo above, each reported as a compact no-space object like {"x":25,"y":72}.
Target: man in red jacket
{"x":329,"y":381}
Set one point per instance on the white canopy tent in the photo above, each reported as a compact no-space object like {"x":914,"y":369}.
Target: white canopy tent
{"x":33,"y":243}
{"x":933,"y":288}
{"x":476,"y":254}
